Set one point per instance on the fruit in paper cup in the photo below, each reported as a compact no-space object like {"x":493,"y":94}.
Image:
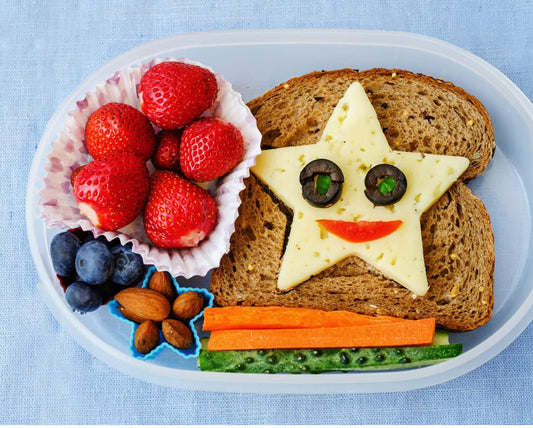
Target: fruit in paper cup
{"x":69,"y":153}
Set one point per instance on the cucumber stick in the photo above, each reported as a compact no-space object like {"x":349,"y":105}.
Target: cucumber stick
{"x":323,"y":360}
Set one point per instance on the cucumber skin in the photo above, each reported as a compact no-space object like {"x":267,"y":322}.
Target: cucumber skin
{"x":324,"y":360}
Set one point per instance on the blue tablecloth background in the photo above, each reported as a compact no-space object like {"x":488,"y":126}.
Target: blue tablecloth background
{"x":46,"y":49}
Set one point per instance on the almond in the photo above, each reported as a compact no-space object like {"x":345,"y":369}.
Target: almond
{"x":161,"y":282}
{"x":144,"y":303}
{"x":128,"y":315}
{"x":187,"y":305}
{"x":177,"y":334}
{"x":146,"y":337}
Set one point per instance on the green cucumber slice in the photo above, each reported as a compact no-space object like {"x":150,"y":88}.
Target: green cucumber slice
{"x":441,"y":337}
{"x":324,"y":360}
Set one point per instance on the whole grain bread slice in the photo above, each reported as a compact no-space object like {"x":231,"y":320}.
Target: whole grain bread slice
{"x":456,"y":231}
{"x":417,"y":113}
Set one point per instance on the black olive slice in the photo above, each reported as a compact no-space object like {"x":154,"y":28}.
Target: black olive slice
{"x":321,"y":181}
{"x":385,"y":184}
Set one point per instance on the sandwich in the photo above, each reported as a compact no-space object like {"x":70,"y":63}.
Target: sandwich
{"x":418,"y":116}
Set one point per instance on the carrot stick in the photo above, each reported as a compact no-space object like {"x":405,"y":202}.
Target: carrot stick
{"x":405,"y":333}
{"x":250,"y":317}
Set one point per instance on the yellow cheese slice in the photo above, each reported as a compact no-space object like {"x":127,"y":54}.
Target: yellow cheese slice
{"x":354,"y":140}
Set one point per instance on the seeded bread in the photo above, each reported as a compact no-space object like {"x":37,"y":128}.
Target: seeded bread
{"x":418,"y":113}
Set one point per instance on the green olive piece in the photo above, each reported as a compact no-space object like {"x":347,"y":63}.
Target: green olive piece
{"x":385,"y":184}
{"x":321,"y":181}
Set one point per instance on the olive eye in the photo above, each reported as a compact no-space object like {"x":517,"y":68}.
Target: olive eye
{"x":385,"y":184}
{"x":321,"y":181}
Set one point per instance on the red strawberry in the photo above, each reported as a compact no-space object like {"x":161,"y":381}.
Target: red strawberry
{"x":118,"y":127}
{"x":111,"y":191}
{"x":209,"y":149}
{"x":167,"y":149}
{"x":178,"y":214}
{"x":172,"y":94}
{"x":74,"y":174}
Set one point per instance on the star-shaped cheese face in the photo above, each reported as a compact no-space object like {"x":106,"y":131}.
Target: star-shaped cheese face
{"x":353,"y":139}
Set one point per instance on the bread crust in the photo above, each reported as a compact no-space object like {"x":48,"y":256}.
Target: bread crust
{"x":456,"y":231}
{"x":447,"y":119}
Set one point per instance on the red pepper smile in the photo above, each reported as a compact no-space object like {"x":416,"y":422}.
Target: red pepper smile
{"x":360,"y":231}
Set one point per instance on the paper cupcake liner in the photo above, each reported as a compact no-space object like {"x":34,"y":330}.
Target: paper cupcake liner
{"x":58,"y":205}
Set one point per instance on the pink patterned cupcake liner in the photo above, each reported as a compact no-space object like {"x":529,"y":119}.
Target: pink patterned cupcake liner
{"x":58,"y":205}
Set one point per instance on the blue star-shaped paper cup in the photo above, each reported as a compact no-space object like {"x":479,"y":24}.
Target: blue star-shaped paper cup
{"x":191,"y":352}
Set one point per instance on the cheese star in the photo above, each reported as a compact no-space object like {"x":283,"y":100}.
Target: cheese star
{"x":354,"y":140}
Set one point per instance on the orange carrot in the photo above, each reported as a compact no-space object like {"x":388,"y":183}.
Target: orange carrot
{"x":250,"y":317}
{"x":404,"y":333}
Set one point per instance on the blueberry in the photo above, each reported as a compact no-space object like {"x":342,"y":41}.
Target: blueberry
{"x":94,"y":263}
{"x":63,"y":249}
{"x":129,"y":266}
{"x":87,"y":238}
{"x":82,"y":297}
{"x":101,"y":238}
{"x":108,"y":290}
